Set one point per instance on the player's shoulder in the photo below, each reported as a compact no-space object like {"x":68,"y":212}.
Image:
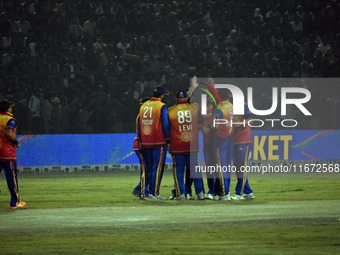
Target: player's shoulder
{"x":171,"y":108}
{"x":196,"y":105}
{"x":11,"y":123}
{"x":225,"y":103}
{"x":145,"y":103}
{"x":176,"y":107}
{"x":229,"y":104}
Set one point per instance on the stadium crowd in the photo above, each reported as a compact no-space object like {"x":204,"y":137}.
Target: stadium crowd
{"x":81,"y":66}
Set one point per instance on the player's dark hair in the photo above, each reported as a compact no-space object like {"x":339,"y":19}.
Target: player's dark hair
{"x":225,"y":94}
{"x":4,"y":105}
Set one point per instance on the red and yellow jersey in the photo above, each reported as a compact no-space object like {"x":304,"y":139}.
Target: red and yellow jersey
{"x":8,"y":151}
{"x":183,"y":118}
{"x":242,"y":134}
{"x":136,"y":145}
{"x":225,"y":112}
{"x":208,"y":118}
{"x":151,"y":131}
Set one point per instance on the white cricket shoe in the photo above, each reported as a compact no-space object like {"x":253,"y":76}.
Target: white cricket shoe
{"x":226,"y":197}
{"x":152,"y":197}
{"x":180,"y":197}
{"x":209,"y":196}
{"x":237,"y":197}
{"x":216,"y":197}
{"x":200,"y":196}
{"x":172,"y":197}
{"x":160,"y":197}
{"x":189,"y":197}
{"x":249,"y":196}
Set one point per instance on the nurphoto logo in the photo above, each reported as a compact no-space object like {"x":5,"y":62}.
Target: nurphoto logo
{"x":239,"y":100}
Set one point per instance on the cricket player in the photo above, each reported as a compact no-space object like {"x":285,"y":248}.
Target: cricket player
{"x":224,"y":142}
{"x":183,"y":118}
{"x":154,"y":135}
{"x":8,"y":152}
{"x":242,"y":139}
{"x":208,"y":141}
{"x":136,"y":147}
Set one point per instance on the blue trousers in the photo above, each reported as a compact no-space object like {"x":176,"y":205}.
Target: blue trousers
{"x":224,"y":154}
{"x":152,"y":168}
{"x":188,"y":182}
{"x":240,"y":159}
{"x":209,"y":151}
{"x":12,"y":180}
{"x":137,"y":189}
{"x":182,"y":163}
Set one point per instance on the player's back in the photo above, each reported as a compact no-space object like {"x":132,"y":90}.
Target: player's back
{"x":224,"y":111}
{"x":151,"y":131}
{"x":183,"y":118}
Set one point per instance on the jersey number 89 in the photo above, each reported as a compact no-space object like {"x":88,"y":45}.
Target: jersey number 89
{"x":184,"y":116}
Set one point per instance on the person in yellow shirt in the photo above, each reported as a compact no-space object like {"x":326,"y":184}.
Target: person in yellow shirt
{"x":183,"y":118}
{"x":8,"y":152}
{"x":154,"y":135}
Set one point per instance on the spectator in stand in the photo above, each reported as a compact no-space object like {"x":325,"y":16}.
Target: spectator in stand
{"x":57,"y":118}
{"x":46,"y":115}
{"x":89,"y":27}
{"x":34,"y":104}
{"x":199,"y":38}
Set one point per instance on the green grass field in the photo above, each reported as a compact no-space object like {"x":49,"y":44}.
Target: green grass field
{"x":95,"y":213}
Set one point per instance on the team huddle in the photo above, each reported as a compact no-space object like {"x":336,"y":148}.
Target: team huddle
{"x":176,"y":129}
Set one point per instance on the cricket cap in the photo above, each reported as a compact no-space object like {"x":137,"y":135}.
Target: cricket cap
{"x":182,"y":94}
{"x":158,"y":91}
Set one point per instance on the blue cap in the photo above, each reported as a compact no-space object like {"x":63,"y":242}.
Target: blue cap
{"x":158,"y":91}
{"x":182,"y":94}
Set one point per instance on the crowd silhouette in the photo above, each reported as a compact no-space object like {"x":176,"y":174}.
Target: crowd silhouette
{"x":81,"y":66}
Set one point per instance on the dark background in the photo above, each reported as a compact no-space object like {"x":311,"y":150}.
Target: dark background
{"x":81,"y":66}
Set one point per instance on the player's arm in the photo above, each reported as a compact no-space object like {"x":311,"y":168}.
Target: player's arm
{"x":194,"y":85}
{"x":200,"y":118}
{"x":247,"y":115}
{"x":218,"y":114}
{"x":138,"y":132}
{"x":11,"y":125}
{"x":165,"y":123}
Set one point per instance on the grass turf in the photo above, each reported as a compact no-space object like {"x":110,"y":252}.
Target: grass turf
{"x":181,"y":229}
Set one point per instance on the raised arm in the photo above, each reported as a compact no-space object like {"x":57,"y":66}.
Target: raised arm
{"x":194,"y":85}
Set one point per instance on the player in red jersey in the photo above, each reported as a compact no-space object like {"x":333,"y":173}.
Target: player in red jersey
{"x":208,"y":140}
{"x":154,"y":135}
{"x":8,"y":152}
{"x":224,"y":143}
{"x":183,"y":118}
{"x":242,"y":140}
{"x":136,"y":147}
